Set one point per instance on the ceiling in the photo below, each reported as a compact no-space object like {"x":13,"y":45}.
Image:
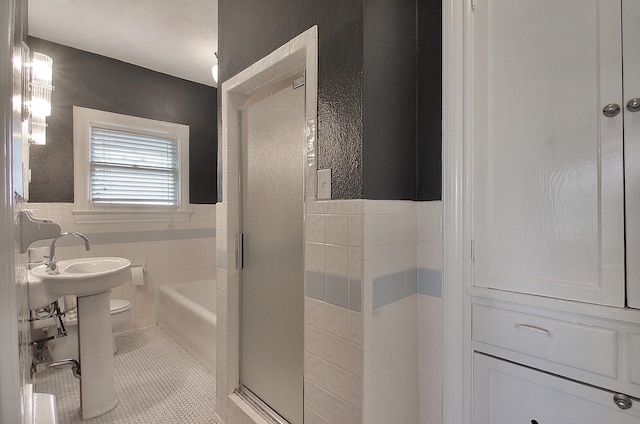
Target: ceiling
{"x":175,"y":37}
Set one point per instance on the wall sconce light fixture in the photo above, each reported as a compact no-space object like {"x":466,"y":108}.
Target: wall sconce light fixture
{"x":40,"y":100}
{"x":214,"y":69}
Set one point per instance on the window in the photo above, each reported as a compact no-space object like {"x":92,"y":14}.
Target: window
{"x":129,"y":168}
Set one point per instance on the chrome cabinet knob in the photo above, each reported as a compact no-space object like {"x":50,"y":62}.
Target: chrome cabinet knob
{"x":633,"y":105}
{"x":611,"y":110}
{"x":623,"y":401}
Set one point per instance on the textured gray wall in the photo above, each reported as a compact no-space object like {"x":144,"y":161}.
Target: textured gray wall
{"x":429,"y":107}
{"x":251,"y":29}
{"x":389,"y":154}
{"x":379,"y":102}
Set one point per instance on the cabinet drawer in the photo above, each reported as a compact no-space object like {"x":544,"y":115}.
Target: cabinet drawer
{"x":633,"y":355}
{"x":505,"y":393}
{"x":580,"y":346}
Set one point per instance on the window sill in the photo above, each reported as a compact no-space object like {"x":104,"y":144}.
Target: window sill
{"x":103,"y":217}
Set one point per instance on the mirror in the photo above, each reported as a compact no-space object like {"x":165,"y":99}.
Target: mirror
{"x":136,"y":83}
{"x":20,"y":114}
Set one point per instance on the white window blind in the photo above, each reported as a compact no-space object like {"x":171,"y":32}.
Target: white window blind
{"x":133,"y":169}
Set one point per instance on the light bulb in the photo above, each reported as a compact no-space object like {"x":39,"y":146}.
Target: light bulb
{"x":214,"y":72}
{"x":42,"y":69}
{"x":38,"y":134}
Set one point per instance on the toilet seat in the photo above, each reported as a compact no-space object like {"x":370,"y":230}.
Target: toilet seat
{"x":115,"y":306}
{"x":119,"y":305}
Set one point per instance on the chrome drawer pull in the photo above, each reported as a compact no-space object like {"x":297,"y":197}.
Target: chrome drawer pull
{"x":611,"y":110}
{"x":534,"y":328}
{"x":623,"y":401}
{"x":633,"y":105}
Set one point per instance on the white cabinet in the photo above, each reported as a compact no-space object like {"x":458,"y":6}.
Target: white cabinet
{"x":631,"y":41}
{"x":547,"y":166}
{"x":553,"y":154}
{"x":505,"y":393}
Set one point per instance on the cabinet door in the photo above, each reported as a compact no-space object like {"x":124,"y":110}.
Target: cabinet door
{"x":547,"y":171}
{"x":631,"y":43}
{"x":505,"y":393}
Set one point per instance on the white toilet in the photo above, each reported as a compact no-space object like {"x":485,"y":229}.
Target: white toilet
{"x":67,"y":347}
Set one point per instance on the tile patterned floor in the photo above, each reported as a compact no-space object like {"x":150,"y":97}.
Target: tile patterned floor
{"x":157,"y":381}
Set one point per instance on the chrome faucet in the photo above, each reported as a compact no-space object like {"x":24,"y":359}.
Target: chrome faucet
{"x":52,"y":265}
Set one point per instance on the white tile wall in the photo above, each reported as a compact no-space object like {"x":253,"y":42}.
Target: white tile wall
{"x":333,"y":330}
{"x":377,"y":365}
{"x":382,"y":365}
{"x":430,"y":352}
{"x":393,"y":352}
{"x":391,"y":388}
{"x":165,"y":261}
{"x":430,"y":315}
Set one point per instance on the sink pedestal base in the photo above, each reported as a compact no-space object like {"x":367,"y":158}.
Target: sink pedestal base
{"x":97,"y":384}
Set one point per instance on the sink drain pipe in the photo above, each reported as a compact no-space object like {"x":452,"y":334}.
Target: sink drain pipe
{"x":75,"y":365}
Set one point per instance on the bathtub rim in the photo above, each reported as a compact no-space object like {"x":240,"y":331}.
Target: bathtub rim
{"x":193,"y":326}
{"x":170,"y":290}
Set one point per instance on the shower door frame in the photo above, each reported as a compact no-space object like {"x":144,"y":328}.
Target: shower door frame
{"x":265,"y":94}
{"x":296,"y":56}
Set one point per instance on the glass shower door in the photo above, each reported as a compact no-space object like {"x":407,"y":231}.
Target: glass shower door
{"x":272,"y":278}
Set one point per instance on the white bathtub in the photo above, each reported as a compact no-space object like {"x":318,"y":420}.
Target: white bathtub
{"x":187,"y":312}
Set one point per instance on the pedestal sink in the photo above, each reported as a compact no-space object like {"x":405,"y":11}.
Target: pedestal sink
{"x":91,"y":280}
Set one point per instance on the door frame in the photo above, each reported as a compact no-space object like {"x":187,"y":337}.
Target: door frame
{"x":457,"y":367}
{"x":299,"y":54}
{"x":11,"y":407}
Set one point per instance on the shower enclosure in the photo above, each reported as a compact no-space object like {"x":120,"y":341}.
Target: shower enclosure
{"x":272,"y":156}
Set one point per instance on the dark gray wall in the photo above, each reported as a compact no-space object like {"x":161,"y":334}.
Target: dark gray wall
{"x":89,"y":80}
{"x":429,"y":107}
{"x":389,"y":153}
{"x":378,"y":115}
{"x":251,"y":29}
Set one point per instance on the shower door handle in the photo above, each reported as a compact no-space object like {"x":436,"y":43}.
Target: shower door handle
{"x":240,"y":251}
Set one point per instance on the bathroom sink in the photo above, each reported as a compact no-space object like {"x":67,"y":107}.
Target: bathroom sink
{"x":39,"y":296}
{"x":90,"y":279}
{"x":83,"y":276}
{"x":94,"y":267}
